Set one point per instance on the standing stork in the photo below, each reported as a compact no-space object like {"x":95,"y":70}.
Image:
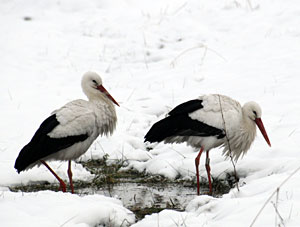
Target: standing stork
{"x":70,"y":130}
{"x":208,"y":122}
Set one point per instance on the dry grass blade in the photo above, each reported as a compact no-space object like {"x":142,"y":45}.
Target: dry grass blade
{"x":278,"y":214}
{"x":185,"y":51}
{"x":250,"y":5}
{"x":199,"y":46}
{"x":230,"y":152}
{"x":67,"y":221}
{"x":271,"y":196}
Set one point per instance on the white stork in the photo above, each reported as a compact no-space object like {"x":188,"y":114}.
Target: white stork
{"x":208,"y":122}
{"x":70,"y":130}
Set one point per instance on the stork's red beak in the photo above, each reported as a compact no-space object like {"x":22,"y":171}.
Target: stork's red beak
{"x":103,"y":90}
{"x":261,"y":127}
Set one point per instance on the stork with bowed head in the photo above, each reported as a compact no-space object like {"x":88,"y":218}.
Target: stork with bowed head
{"x":70,"y":130}
{"x":208,"y":122}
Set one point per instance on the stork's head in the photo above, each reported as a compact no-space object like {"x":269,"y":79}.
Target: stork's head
{"x":253,"y":111}
{"x":92,"y":87}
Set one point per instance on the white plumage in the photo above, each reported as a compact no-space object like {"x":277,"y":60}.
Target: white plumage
{"x":222,"y":112}
{"x":208,"y":122}
{"x":82,"y":117}
{"x":70,"y":130}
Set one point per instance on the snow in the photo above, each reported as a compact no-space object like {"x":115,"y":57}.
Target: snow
{"x":152,"y":55}
{"x":57,"y":209}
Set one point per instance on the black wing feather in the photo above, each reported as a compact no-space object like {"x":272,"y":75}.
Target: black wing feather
{"x":41,"y":145}
{"x":187,"y":107}
{"x":178,"y":123}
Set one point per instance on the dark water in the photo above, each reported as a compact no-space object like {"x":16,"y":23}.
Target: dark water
{"x":147,"y":198}
{"x":140,"y":193}
{"x":141,"y":198}
{"x":166,"y":195}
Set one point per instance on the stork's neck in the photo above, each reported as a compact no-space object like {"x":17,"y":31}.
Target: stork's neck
{"x":241,"y":140}
{"x":248,"y":131}
{"x":105,"y":113}
{"x":99,"y":99}
{"x":102,"y":102}
{"x":248,"y":125}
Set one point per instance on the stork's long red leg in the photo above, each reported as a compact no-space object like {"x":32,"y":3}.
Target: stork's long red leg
{"x":70,"y":177}
{"x":61,"y":182}
{"x":197,"y":161}
{"x":208,"y":172}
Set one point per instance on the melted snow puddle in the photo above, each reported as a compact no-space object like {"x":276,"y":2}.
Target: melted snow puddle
{"x":142,"y":194}
{"x":167,"y":195}
{"x":145,"y":198}
{"x":140,"y":198}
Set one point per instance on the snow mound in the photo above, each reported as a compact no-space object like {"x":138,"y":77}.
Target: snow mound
{"x":48,"y":208}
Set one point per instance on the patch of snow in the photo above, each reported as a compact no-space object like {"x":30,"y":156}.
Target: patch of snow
{"x":152,"y":56}
{"x":48,"y":208}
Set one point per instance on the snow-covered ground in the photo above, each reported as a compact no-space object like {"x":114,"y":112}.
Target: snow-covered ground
{"x":152,"y":55}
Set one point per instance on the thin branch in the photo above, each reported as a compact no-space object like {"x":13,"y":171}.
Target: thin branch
{"x":229,"y":148}
{"x":183,"y":220}
{"x":145,"y":46}
{"x":276,"y":205}
{"x":204,"y":55}
{"x":184,"y":52}
{"x":250,"y":5}
{"x":9,"y":94}
{"x":128,"y":128}
{"x":67,"y":221}
{"x":290,"y":214}
{"x":179,"y":8}
{"x":123,"y":222}
{"x":212,"y":50}
{"x":278,"y":214}
{"x":201,"y":45}
{"x":271,"y":196}
{"x":292,"y":132}
{"x":178,"y":152}
{"x":133,"y":90}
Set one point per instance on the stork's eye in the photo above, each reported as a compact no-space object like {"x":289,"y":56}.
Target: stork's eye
{"x":254,"y":112}
{"x":94,"y":81}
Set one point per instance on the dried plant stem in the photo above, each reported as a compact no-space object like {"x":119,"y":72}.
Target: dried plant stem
{"x":229,"y":148}
{"x":201,"y":45}
{"x":278,"y":214}
{"x":145,"y":47}
{"x":250,"y":5}
{"x":184,"y":52}
{"x":271,"y":196}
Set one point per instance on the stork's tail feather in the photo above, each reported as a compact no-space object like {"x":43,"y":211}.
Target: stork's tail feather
{"x":30,"y":153}
{"x":22,"y":162}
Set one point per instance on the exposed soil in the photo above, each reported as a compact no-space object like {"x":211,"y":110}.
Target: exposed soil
{"x":141,"y":193}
